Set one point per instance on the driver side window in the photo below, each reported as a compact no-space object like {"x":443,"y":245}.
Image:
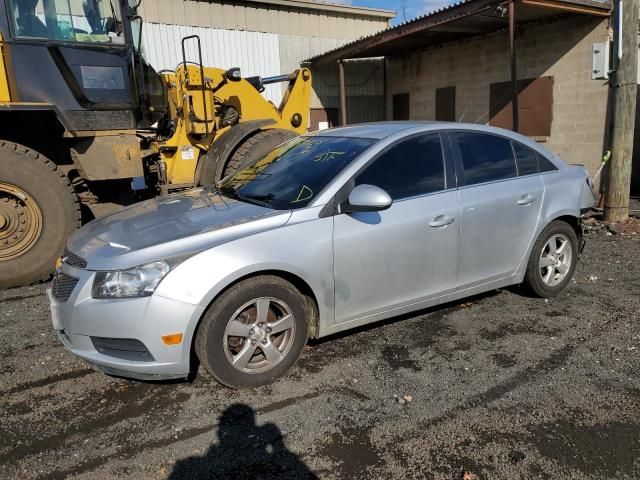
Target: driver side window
{"x":94,"y":21}
{"x":409,"y":168}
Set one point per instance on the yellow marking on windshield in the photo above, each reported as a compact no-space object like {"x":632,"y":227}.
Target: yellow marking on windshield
{"x":305,"y":194}
{"x":307,"y":145}
{"x":325,"y":157}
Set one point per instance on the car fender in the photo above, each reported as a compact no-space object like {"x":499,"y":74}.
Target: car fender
{"x":303,"y":249}
{"x":546,"y":218}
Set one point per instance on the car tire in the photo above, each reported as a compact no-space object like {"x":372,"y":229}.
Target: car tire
{"x":240,"y":342}
{"x":548,"y":271}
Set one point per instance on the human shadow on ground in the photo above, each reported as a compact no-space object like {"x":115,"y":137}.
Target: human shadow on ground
{"x":244,"y":451}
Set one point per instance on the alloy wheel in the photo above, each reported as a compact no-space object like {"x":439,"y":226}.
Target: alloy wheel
{"x":259,"y":335}
{"x":555,"y":259}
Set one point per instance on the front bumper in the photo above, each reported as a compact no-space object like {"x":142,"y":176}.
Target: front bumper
{"x":81,"y":320}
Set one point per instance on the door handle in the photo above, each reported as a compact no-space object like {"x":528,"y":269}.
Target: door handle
{"x":527,"y":199}
{"x":442,"y":221}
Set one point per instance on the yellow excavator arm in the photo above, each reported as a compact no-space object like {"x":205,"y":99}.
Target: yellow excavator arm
{"x":206,"y":103}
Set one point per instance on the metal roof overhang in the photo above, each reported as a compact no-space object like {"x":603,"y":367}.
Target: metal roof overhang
{"x":457,"y":22}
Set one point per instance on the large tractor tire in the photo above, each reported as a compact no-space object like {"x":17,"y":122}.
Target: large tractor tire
{"x":38,"y":212}
{"x":256,"y":147}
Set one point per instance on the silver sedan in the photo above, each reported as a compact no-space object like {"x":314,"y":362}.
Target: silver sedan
{"x":329,"y":231}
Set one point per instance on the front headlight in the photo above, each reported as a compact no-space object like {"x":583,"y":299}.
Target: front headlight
{"x":137,"y":282}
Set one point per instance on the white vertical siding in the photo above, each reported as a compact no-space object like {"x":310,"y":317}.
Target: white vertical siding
{"x":256,"y":53}
{"x":266,"y":54}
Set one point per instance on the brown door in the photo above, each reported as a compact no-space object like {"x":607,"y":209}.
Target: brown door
{"x":401,"y":106}
{"x":446,"y":104}
{"x":535,"y":106}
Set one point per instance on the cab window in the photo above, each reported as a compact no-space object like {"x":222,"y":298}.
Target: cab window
{"x":95,"y":21}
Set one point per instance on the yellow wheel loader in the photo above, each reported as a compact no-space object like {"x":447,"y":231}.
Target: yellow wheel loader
{"x":86,"y":124}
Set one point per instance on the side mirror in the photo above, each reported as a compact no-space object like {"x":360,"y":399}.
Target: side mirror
{"x":367,"y":198}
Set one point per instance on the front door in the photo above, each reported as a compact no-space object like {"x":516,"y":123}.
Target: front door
{"x":407,"y":253}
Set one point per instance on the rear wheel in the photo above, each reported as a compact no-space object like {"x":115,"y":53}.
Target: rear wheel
{"x":38,"y":211}
{"x":254,"y":332}
{"x":256,"y":147}
{"x":553,"y":259}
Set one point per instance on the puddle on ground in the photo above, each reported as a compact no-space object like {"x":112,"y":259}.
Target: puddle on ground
{"x":398,"y":356}
{"x":503,"y":360}
{"x":353,"y":450}
{"x":605,"y":450}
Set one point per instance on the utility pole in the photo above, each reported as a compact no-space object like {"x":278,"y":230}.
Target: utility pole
{"x":514,"y":67}
{"x":625,"y":85}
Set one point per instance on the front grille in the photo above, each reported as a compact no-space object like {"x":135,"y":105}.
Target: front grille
{"x":123,"y":348}
{"x":63,"y":286}
{"x":74,"y":260}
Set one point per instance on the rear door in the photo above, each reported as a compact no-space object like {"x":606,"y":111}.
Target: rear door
{"x":500,"y":210}
{"x":408,"y":252}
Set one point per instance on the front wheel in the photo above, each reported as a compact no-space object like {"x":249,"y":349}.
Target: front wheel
{"x":254,"y":332}
{"x":553,"y":260}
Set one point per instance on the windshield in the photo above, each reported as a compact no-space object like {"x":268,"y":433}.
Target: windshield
{"x":295,"y":173}
{"x":96,"y":21}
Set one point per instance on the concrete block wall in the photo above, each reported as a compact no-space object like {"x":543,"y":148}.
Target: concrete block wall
{"x":560,"y":48}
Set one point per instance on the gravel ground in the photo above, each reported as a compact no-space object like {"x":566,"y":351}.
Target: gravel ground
{"x":501,"y":385}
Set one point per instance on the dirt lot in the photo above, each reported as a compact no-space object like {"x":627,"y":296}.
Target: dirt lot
{"x":503,"y":385}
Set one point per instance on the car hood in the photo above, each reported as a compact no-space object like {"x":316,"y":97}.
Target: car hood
{"x":168,"y":226}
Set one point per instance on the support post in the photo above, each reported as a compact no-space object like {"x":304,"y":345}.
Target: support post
{"x":343,"y":94}
{"x":514,"y":66}
{"x":625,"y":84}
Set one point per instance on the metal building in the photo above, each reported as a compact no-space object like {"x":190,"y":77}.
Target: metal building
{"x":269,"y":37}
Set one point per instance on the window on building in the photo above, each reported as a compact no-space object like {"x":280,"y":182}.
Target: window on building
{"x":485,"y":158}
{"x":67,"y":20}
{"x":409,"y":168}
{"x":535,"y":106}
{"x":400,"y":106}
{"x":446,"y":104}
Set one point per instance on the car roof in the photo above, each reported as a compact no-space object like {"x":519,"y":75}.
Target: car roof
{"x":380,"y":130}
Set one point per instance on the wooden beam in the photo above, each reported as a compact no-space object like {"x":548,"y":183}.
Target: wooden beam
{"x":343,"y":94}
{"x":625,"y":85}
{"x":576,"y":8}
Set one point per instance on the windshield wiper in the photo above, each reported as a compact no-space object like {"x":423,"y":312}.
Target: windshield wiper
{"x":262,"y":200}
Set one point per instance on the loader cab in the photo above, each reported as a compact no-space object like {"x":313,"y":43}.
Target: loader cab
{"x":81,"y":58}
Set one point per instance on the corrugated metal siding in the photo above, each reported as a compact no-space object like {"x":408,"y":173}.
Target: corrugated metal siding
{"x":262,"y":18}
{"x":295,"y":48}
{"x":265,"y":54}
{"x":364,"y":86}
{"x":267,"y":40}
{"x":255,"y":53}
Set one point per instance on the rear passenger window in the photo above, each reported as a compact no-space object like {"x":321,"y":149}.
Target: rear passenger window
{"x":485,"y":158}
{"x":410,"y":168}
{"x":526,"y":159}
{"x":545,"y":164}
